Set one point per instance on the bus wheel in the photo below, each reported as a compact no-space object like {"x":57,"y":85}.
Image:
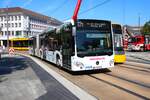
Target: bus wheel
{"x":58,"y":62}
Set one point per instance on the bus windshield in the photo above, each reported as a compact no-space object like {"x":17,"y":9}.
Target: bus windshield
{"x":118,"y":39}
{"x":118,"y":42}
{"x":94,"y":38}
{"x":93,"y":44}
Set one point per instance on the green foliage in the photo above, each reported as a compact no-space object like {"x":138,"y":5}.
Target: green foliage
{"x":146,"y":28}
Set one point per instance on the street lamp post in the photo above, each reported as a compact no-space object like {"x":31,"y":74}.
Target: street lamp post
{"x":7,"y":30}
{"x":139,"y":22}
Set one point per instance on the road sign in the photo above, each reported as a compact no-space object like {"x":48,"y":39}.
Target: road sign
{"x":11,"y":51}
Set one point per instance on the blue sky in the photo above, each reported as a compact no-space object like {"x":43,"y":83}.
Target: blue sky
{"x":118,"y":11}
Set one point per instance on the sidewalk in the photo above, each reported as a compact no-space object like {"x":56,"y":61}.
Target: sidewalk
{"x":17,"y":80}
{"x":25,"y":79}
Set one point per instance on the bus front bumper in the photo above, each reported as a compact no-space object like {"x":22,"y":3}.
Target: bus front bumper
{"x":120,"y":58}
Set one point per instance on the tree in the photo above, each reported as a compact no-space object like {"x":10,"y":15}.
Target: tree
{"x":146,"y":28}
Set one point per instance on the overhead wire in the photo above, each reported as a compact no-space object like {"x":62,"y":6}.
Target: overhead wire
{"x":59,"y":7}
{"x":100,"y":4}
{"x":87,"y":10}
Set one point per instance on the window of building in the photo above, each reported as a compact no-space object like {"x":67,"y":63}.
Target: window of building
{"x":19,"y":24}
{"x":8,"y":24}
{"x":16,"y":18}
{"x":8,"y":18}
{"x":27,"y":34}
{"x":32,"y":25}
{"x":16,"y":25}
{"x":18,"y":33}
{"x":19,"y":17}
{"x":8,"y":32}
{"x":12,"y":18}
{"x":12,"y":33}
{"x":12,"y":24}
{"x":1,"y":18}
{"x":5,"y":33}
{"x":4,"y":18}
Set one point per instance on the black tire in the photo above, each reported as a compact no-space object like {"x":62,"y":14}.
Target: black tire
{"x":58,"y":61}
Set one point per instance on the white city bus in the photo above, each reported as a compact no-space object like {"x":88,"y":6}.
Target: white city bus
{"x":86,"y":44}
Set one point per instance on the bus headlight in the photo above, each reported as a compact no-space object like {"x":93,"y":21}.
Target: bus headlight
{"x":111,"y":62}
{"x":79,"y":64}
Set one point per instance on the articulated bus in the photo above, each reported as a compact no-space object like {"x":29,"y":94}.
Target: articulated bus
{"x":20,"y":43}
{"x":120,"y":56}
{"x":86,"y":44}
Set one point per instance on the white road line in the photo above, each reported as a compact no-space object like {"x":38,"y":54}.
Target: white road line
{"x":77,"y":91}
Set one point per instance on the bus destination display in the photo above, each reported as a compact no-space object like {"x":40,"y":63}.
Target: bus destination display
{"x":98,"y":25}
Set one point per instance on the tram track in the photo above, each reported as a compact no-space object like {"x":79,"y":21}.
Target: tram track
{"x":140,"y":58}
{"x":139,"y":61}
{"x":137,"y":64}
{"x":128,"y":91}
{"x":146,"y":68}
{"x":142,"y":68}
{"x":133,"y":68}
{"x":131,"y":74}
{"x":121,"y":88}
{"x":135,"y":82}
{"x":131,"y":81}
{"x":109,"y":83}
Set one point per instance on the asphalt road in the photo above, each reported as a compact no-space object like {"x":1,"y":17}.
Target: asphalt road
{"x":23,"y":79}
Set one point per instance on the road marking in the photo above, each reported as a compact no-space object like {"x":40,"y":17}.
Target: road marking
{"x":11,"y":51}
{"x":77,"y":91}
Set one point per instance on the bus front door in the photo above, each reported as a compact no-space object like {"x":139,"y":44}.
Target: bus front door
{"x":66,"y":57}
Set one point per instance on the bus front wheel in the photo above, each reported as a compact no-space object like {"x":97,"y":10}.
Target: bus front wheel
{"x":58,"y":61}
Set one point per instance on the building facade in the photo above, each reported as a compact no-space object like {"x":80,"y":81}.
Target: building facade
{"x":18,"y":22}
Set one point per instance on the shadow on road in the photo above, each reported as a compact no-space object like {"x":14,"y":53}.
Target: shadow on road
{"x":10,"y":64}
{"x":88,"y":72}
